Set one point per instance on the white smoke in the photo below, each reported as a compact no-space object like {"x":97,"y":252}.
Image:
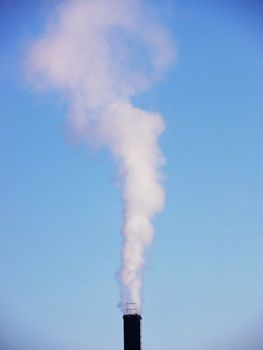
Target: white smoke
{"x":100,"y":53}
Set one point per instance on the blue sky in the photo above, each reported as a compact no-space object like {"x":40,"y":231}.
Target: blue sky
{"x":60,"y":212}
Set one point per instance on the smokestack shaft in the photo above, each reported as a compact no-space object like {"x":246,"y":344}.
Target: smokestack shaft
{"x":132,"y":332}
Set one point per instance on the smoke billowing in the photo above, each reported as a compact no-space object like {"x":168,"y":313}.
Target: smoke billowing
{"x":99,"y":54}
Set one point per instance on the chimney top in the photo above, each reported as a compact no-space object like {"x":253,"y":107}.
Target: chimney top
{"x":132,"y":309}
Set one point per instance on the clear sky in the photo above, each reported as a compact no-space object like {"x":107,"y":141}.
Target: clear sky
{"x":61,"y":215}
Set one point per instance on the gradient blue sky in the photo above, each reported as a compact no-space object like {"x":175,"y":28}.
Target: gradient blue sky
{"x":60,"y":212}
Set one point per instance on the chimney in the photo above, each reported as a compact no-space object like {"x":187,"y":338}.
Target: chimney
{"x":132,"y":328}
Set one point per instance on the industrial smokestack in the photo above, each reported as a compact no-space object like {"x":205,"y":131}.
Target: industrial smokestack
{"x":132,"y":328}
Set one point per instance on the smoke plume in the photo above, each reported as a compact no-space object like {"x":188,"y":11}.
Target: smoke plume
{"x":99,"y":54}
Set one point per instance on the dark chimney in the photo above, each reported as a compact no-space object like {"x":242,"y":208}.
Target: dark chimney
{"x":132,"y":331}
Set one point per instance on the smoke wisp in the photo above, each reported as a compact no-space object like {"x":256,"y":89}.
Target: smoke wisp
{"x":99,"y":54}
